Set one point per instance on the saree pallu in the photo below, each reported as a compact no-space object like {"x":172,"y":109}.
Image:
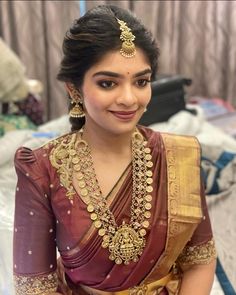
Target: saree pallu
{"x":178,"y":206}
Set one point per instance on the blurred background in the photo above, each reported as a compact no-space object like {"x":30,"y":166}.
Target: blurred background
{"x":197,"y":40}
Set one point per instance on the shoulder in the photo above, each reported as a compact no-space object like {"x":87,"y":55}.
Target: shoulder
{"x":37,"y":160}
{"x":182,"y":150}
{"x":64,"y":140}
{"x":169,"y":139}
{"x":60,"y":150}
{"x":153,"y":137}
{"x":180,"y":141}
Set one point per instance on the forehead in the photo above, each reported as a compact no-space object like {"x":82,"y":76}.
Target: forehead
{"x":115,"y":62}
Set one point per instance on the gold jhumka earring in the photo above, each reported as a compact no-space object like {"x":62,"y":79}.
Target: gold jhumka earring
{"x":127,"y":38}
{"x":76,"y":100}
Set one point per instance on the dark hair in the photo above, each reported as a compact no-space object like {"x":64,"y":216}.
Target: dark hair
{"x":95,"y":34}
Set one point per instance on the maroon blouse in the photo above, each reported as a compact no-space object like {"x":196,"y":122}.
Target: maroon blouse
{"x":45,"y":220}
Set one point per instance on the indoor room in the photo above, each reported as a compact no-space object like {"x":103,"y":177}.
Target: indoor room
{"x":118,"y":147}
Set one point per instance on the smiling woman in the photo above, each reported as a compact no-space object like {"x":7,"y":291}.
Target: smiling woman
{"x":116,"y":93}
{"x":123,"y":204}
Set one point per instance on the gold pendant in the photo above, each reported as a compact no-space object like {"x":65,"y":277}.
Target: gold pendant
{"x":126,"y":245}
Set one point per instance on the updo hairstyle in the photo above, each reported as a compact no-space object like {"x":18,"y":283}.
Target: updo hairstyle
{"x":95,"y":34}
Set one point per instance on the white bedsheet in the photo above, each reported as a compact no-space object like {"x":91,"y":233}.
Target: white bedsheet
{"x":187,"y":124}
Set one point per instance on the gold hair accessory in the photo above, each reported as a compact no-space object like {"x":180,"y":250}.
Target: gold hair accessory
{"x":127,"y":38}
{"x":77,"y":110}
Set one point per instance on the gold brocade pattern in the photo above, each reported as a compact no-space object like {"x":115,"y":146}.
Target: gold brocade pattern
{"x":39,"y":285}
{"x":184,"y":201}
{"x":61,"y":157}
{"x":52,"y":143}
{"x":201,"y":254}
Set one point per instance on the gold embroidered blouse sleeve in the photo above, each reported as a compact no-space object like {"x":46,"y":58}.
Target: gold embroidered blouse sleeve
{"x":201,"y":254}
{"x":39,"y":285}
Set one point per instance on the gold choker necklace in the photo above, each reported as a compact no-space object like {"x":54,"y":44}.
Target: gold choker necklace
{"x":126,"y":241}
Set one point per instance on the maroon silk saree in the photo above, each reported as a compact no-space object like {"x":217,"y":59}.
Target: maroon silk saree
{"x":46,"y":219}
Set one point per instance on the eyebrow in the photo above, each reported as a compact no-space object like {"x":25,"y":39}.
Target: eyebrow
{"x":116,"y":75}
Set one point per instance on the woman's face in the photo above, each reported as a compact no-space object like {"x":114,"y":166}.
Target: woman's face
{"x":116,"y":91}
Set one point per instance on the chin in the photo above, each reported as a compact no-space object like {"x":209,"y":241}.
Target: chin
{"x":128,"y":128}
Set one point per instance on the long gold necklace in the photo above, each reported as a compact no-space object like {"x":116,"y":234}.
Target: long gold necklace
{"x":127,"y":241}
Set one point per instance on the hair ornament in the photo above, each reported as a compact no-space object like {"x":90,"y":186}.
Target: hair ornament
{"x":127,"y":38}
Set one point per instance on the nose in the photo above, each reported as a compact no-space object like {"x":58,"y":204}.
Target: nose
{"x":127,"y":96}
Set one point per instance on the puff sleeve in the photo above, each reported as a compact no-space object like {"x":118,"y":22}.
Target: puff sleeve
{"x":34,"y":247}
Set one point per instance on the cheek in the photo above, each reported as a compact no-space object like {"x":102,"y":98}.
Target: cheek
{"x":94,"y":103}
{"x":90,"y":104}
{"x":146,"y":97}
{"x":97,"y":99}
{"x":90,"y":96}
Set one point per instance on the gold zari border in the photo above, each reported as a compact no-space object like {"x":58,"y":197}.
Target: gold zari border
{"x":40,"y":285}
{"x":184,"y":201}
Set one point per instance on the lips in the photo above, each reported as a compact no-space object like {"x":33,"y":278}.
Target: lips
{"x":125,"y":115}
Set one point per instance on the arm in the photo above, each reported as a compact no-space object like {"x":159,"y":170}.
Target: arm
{"x":198,"y":277}
{"x":34,"y":253}
{"x":198,"y":259}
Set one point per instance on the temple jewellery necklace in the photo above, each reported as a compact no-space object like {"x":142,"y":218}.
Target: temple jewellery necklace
{"x":127,"y":241}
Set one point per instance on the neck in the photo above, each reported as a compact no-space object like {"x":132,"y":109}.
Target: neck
{"x":107,"y":142}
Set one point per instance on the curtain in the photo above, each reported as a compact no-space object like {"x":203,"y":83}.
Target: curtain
{"x":196,"y":39}
{"x":35,"y":30}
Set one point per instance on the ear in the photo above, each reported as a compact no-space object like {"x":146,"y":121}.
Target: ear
{"x":69,"y":87}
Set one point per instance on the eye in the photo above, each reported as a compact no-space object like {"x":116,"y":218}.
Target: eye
{"x":107,"y":84}
{"x":142,"y":82}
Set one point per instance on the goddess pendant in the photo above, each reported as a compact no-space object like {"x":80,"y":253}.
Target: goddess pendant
{"x":126,"y":245}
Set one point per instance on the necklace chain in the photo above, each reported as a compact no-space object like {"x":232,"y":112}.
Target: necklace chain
{"x":127,"y":241}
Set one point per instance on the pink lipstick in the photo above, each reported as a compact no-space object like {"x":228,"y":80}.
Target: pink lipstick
{"x":124,"y":115}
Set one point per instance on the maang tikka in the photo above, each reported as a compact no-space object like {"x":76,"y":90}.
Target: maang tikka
{"x":127,"y":38}
{"x":76,"y":99}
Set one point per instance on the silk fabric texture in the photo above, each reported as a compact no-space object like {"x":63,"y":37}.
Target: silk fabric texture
{"x":46,"y":219}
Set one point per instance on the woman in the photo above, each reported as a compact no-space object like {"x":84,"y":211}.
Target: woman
{"x":123,"y":204}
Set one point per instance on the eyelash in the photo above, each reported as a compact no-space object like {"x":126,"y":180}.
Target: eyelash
{"x":113,"y":84}
{"x":106,"y":82}
{"x":143,"y":80}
